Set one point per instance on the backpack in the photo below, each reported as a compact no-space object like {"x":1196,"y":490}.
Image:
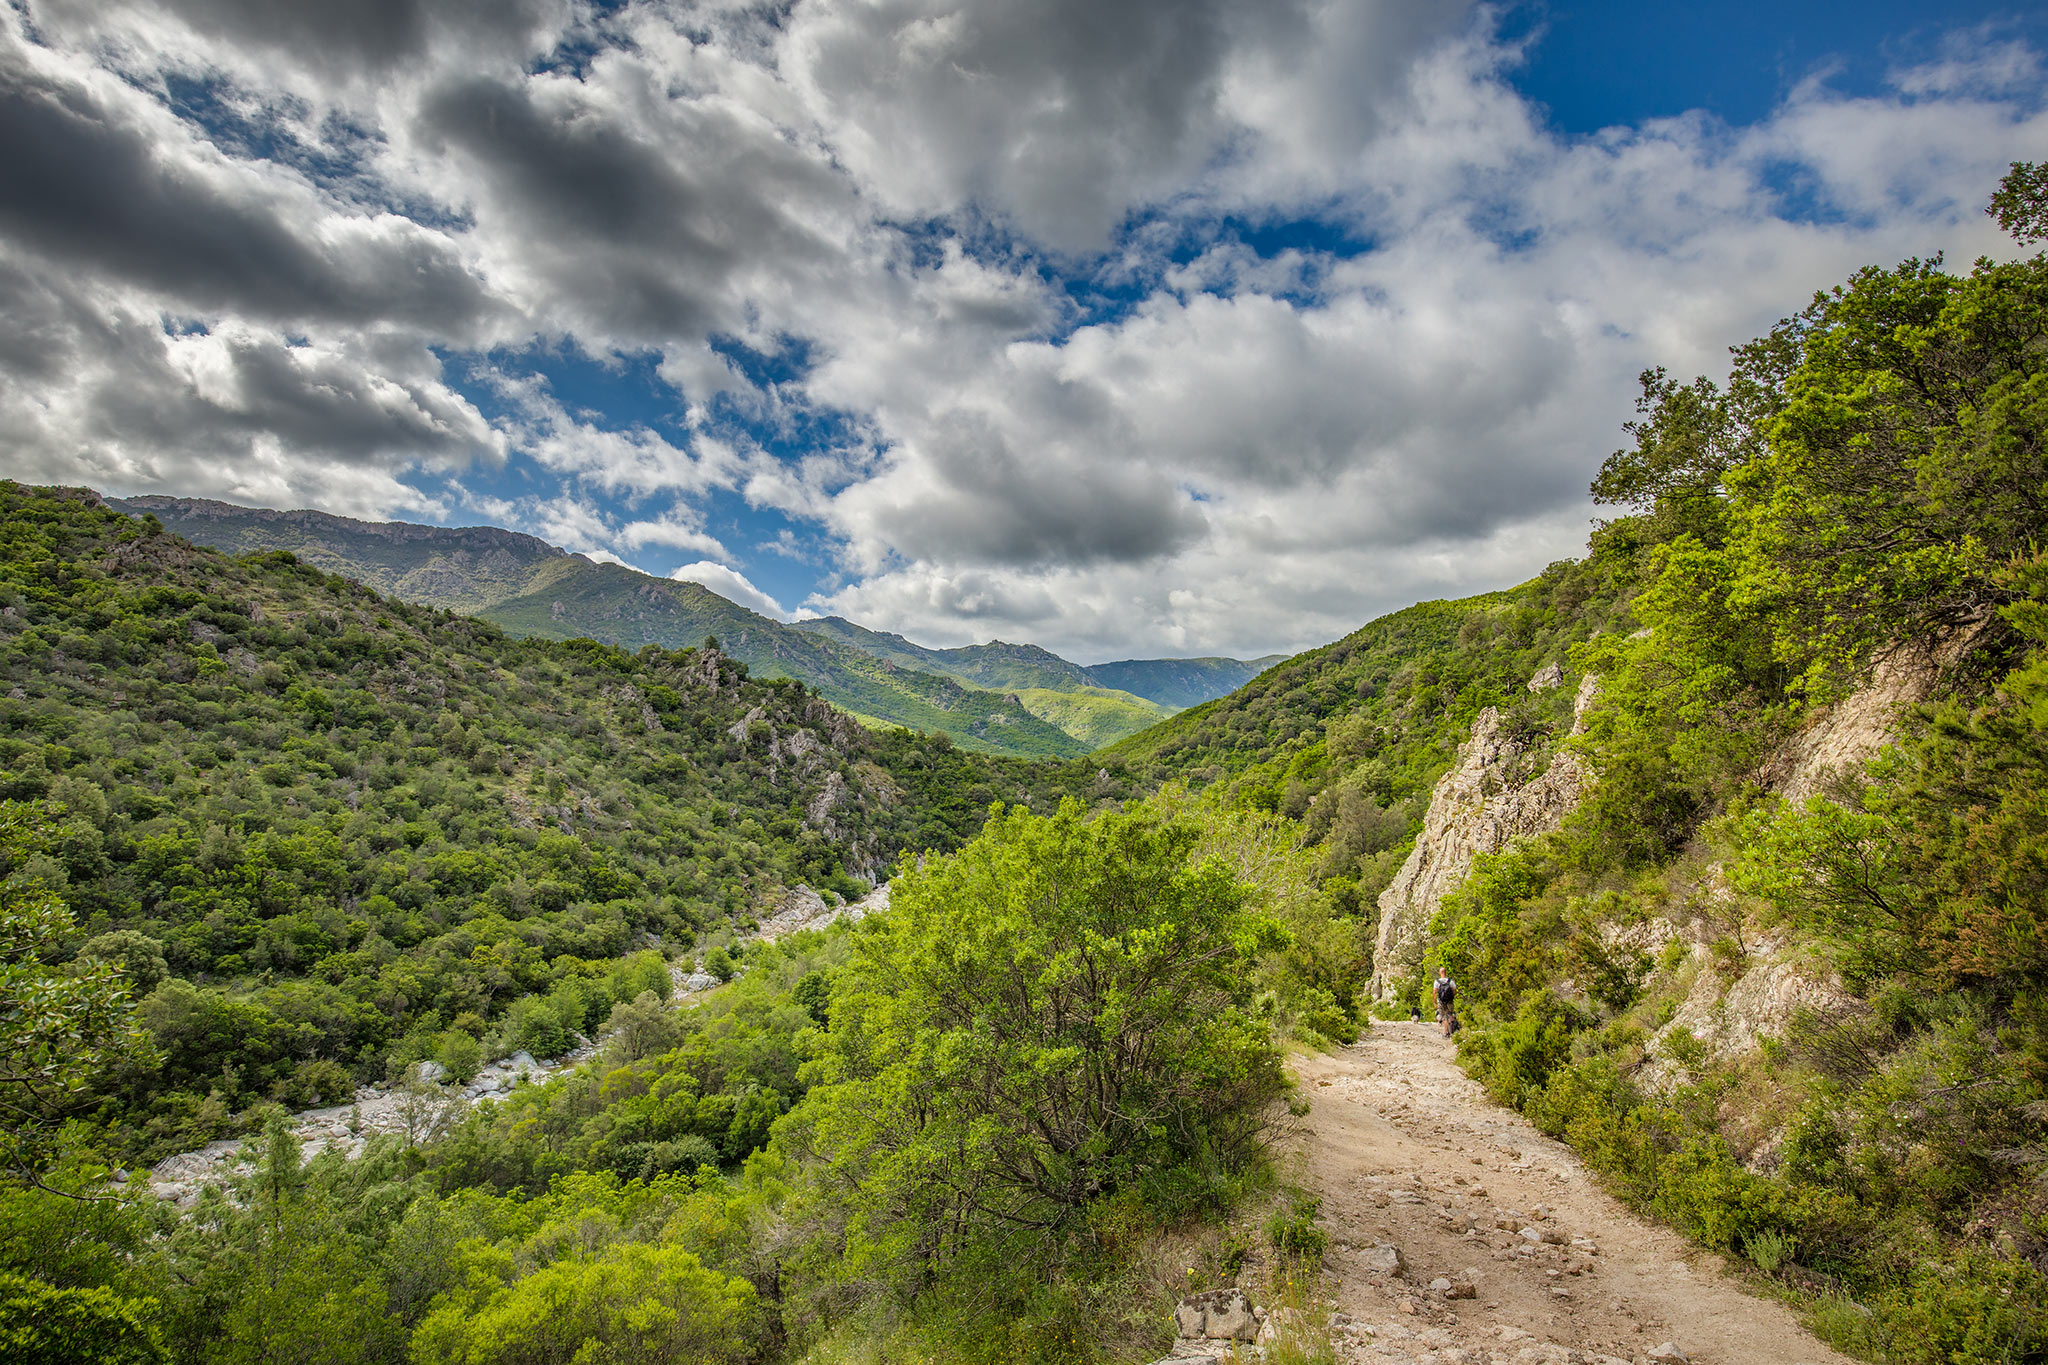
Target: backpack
{"x":1446,"y":991}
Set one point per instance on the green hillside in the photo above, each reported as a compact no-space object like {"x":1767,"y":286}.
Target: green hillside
{"x":1095,"y":716}
{"x":532,"y":588}
{"x":344,"y":825}
{"x":1179,"y":683}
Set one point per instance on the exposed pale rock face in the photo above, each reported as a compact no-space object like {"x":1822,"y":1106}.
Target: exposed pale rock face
{"x":1481,"y":805}
{"x":803,"y":908}
{"x":1850,"y":733}
{"x":1778,"y":983}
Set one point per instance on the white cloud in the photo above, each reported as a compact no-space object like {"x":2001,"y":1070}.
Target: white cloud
{"x":674,"y":533}
{"x":732,"y":585}
{"x":1232,"y":453}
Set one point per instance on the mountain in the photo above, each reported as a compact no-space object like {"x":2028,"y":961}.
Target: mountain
{"x":1171,"y":684}
{"x":528,"y":586}
{"x":1180,"y":683}
{"x":992,"y":698}
{"x":625,"y":607}
{"x":462,"y":568}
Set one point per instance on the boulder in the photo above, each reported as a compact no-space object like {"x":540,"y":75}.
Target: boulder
{"x":1216,"y":1315}
{"x":1385,"y":1259}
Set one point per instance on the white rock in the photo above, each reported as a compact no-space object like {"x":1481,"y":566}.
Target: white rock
{"x":1481,"y":806}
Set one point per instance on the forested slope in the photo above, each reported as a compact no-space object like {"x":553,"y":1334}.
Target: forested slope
{"x":532,"y":588}
{"x":330,"y":828}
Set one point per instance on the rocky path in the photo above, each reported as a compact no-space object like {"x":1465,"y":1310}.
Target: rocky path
{"x":1508,"y":1252}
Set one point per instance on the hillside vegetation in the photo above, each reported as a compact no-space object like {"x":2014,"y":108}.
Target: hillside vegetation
{"x":1810,"y":1033}
{"x":995,"y":698}
{"x":1863,"y":498}
{"x":333,"y":833}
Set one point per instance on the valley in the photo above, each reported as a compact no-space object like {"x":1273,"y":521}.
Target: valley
{"x":1726,"y":838}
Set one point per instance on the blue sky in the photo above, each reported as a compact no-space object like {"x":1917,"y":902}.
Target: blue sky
{"x":1162,"y":327}
{"x":1595,"y":65}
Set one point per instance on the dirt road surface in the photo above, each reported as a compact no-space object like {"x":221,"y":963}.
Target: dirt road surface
{"x":1509,"y":1253}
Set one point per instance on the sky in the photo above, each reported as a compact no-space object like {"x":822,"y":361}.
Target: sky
{"x":1126,"y":327}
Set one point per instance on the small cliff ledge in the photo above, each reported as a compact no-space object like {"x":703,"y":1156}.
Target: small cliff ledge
{"x":1483,"y":804}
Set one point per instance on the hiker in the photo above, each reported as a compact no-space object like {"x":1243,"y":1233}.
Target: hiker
{"x":1446,"y":1000}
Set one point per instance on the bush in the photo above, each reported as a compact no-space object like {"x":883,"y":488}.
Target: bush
{"x":1056,"y":1013}
{"x":41,"y":1324}
{"x":1515,"y":1060}
{"x":1295,"y":1234}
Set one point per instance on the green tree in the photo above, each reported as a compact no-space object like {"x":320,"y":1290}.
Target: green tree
{"x":1058,"y":1012}
{"x":276,"y":1273}
{"x":41,"y":1324}
{"x":2021,"y":203}
{"x":58,"y":1028}
{"x":628,"y":1304}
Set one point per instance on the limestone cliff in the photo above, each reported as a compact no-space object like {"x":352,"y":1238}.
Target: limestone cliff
{"x":1850,"y":733}
{"x":1484,"y":803}
{"x":1735,"y":1003}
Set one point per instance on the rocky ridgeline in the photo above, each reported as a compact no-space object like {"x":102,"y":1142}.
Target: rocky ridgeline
{"x":1484,"y":803}
{"x":427,"y":1104}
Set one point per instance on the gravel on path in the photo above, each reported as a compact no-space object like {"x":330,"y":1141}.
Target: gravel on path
{"x":1460,"y":1235}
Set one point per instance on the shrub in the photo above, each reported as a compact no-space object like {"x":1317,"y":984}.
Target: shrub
{"x":41,"y":1324}
{"x":1056,"y":1013}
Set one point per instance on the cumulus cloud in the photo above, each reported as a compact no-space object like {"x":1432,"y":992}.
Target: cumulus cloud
{"x":960,"y":290}
{"x":732,"y":585}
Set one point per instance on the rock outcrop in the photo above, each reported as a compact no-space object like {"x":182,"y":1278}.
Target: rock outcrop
{"x":1483,"y":804}
{"x":803,"y":908}
{"x":1850,"y":733}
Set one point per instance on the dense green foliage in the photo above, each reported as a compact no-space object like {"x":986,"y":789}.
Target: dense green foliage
{"x":358,"y":833}
{"x":1055,"y":1016}
{"x":1867,"y":494}
{"x":59,"y":1026}
{"x":685,"y":1196}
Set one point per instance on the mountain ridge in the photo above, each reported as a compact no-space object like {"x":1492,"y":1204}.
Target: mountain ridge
{"x":997,"y":697}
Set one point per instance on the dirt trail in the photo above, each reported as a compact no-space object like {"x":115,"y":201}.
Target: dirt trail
{"x":1407,"y":1151}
